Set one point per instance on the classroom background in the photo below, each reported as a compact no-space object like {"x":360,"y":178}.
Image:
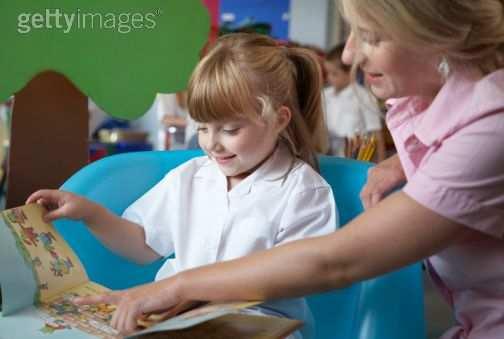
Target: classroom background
{"x":313,"y":24}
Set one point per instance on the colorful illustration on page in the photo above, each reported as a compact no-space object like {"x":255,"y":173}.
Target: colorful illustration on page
{"x":55,"y":266}
{"x":52,"y":326}
{"x":92,"y":319}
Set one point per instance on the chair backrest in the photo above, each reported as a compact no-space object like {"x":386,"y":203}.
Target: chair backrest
{"x":370,"y":309}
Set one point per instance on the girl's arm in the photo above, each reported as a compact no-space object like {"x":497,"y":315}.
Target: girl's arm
{"x":120,"y":235}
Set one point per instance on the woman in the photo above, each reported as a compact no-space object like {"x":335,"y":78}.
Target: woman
{"x":441,"y":62}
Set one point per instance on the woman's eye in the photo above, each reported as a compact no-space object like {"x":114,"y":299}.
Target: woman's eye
{"x":370,"y":38}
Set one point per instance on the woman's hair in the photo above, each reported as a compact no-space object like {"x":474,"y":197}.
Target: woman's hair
{"x":466,"y":32}
{"x":251,"y":75}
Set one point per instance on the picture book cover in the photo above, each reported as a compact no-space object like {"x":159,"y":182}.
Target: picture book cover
{"x":40,"y":275}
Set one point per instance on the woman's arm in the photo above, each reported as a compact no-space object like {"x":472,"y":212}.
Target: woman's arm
{"x":382,"y":179}
{"x":397,"y":232}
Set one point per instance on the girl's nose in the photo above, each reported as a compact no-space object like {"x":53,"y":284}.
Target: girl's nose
{"x":212,"y":143}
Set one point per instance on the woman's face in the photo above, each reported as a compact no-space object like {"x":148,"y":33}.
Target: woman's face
{"x":392,"y":70}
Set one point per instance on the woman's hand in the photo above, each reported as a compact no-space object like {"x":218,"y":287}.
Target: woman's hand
{"x":382,"y":179}
{"x":132,"y":304}
{"x":62,"y":204}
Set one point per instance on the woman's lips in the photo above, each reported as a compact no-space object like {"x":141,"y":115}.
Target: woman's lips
{"x":372,"y":78}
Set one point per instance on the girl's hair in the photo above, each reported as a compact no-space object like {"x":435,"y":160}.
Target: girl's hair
{"x":466,"y":32}
{"x":251,"y":75}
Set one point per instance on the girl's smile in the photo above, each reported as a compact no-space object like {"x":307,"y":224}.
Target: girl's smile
{"x":238,"y":145}
{"x":223,"y":160}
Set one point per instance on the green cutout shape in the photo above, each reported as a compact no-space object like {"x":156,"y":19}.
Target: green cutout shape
{"x":118,"y":52}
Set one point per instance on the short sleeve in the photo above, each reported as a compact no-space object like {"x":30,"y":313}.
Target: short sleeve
{"x":309,"y":213}
{"x":463,"y":179}
{"x":150,"y":212}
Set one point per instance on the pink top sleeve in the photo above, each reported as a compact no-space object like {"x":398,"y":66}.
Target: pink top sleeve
{"x":463,"y":177}
{"x":452,"y":152}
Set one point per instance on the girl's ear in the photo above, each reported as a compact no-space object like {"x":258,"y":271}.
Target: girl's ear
{"x":283,"y":118}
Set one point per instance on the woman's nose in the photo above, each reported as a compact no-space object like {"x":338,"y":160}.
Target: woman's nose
{"x":348,"y":54}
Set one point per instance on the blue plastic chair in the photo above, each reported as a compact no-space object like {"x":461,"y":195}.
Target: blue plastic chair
{"x":387,"y":307}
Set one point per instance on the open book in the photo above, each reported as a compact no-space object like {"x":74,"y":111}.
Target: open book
{"x":40,"y":275}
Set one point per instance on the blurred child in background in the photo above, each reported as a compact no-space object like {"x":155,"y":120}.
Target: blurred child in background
{"x":352,"y":114}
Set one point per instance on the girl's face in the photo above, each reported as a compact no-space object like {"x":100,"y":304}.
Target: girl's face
{"x":238,"y":146}
{"x":391,"y":70}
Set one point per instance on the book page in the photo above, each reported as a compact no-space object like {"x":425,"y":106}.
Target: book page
{"x":54,"y":264}
{"x":192,"y":317}
{"x":60,"y":277}
{"x":92,"y":319}
{"x":60,"y":318}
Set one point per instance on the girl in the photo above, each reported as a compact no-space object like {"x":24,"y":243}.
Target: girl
{"x":444,"y":60}
{"x":260,"y":123}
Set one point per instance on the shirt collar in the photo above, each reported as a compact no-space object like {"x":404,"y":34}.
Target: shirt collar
{"x":401,"y":109}
{"x":271,"y":172}
{"x":464,"y":97}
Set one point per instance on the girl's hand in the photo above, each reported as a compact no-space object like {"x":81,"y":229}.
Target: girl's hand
{"x":382,"y":179}
{"x":62,"y":204}
{"x":134,"y":303}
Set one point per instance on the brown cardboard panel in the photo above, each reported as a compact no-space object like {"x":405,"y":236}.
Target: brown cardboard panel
{"x":49,"y":136}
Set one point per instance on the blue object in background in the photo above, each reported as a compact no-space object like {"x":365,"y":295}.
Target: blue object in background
{"x":258,"y":11}
{"x":386,"y":307}
{"x":128,"y":146}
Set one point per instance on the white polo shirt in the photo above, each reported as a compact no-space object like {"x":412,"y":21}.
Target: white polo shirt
{"x":349,"y":112}
{"x":190,"y":212}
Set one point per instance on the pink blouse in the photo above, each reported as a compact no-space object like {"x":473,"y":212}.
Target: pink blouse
{"x":452,"y":150}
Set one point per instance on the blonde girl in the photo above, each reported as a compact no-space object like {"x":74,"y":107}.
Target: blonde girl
{"x":259,"y":117}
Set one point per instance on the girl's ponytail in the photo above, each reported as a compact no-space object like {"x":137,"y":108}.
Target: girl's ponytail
{"x":307,"y":133}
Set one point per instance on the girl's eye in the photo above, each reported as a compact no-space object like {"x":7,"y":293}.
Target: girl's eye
{"x":202,"y":129}
{"x":231,"y":131}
